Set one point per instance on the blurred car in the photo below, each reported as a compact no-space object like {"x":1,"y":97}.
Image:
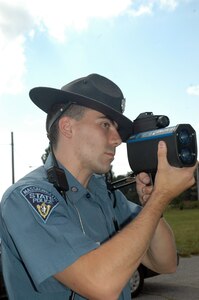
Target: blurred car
{"x":137,"y":279}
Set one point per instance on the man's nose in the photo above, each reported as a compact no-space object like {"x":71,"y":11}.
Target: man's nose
{"x":116,"y":137}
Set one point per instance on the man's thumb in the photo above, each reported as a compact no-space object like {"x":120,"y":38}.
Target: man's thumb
{"x":162,"y":152}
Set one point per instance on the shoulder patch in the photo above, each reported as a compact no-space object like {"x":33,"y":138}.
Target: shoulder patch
{"x":42,"y":201}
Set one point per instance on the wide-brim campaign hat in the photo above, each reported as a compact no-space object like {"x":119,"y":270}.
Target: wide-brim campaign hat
{"x":93,"y":91}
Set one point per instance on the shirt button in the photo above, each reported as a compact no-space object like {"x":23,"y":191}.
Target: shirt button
{"x":88,"y":195}
{"x":74,"y":189}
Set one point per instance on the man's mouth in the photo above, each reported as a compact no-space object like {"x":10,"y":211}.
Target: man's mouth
{"x":110,"y":154}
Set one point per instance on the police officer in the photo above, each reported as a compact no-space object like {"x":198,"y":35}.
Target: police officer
{"x":60,"y":239}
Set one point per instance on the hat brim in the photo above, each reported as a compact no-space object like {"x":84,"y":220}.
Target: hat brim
{"x":45,"y":98}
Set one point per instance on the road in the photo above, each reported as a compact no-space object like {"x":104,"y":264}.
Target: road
{"x":182,"y":285}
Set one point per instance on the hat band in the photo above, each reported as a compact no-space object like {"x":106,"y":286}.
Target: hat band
{"x":58,"y":114}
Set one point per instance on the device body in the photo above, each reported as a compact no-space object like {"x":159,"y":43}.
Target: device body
{"x":181,"y":146}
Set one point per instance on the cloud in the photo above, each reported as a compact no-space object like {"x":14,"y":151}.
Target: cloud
{"x":168,"y":4}
{"x":193,"y":90}
{"x":147,"y":7}
{"x":12,"y":65}
{"x":15,"y":21}
{"x":141,"y":10}
{"x":21,"y":19}
{"x":56,"y":17}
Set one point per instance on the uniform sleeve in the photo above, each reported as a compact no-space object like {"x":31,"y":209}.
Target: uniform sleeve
{"x":46,"y":238}
{"x":126,"y":210}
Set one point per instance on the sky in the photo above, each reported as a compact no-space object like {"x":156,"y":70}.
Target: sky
{"x":149,"y":48}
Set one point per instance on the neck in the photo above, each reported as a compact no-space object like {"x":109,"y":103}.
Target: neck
{"x":73,"y":166}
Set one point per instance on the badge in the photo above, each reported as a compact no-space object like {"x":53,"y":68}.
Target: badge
{"x":123,"y":104}
{"x":42,"y":201}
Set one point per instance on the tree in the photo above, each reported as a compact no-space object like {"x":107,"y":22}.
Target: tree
{"x":45,"y":155}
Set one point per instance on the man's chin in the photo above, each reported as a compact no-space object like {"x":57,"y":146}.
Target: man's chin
{"x":104,"y":170}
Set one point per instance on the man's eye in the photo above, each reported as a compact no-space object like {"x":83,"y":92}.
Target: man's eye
{"x":106,"y":125}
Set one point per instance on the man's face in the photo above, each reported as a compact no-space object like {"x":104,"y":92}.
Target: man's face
{"x":95,"y":138}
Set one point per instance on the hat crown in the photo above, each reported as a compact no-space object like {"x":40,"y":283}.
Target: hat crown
{"x":99,"y":88}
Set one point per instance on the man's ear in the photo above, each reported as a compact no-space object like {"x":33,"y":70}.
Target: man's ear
{"x":65,"y":126}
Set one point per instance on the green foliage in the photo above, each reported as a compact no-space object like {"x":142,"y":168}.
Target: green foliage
{"x":185,"y":225}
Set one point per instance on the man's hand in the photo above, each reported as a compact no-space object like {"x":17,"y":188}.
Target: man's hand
{"x":171,"y":181}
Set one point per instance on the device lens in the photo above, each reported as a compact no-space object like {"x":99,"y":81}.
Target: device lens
{"x":186,"y":156}
{"x":184,"y":137}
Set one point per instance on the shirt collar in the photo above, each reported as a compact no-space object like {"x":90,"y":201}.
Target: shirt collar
{"x":76,"y":191}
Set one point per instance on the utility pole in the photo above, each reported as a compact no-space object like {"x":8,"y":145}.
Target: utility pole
{"x":197,"y":181}
{"x":12,"y":156}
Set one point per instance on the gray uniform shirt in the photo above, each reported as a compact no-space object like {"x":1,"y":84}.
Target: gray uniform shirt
{"x":42,"y":233}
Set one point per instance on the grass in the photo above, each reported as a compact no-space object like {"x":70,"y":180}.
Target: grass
{"x":185,"y":225}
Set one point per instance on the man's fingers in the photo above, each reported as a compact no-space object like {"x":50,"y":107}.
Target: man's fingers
{"x":143,"y":178}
